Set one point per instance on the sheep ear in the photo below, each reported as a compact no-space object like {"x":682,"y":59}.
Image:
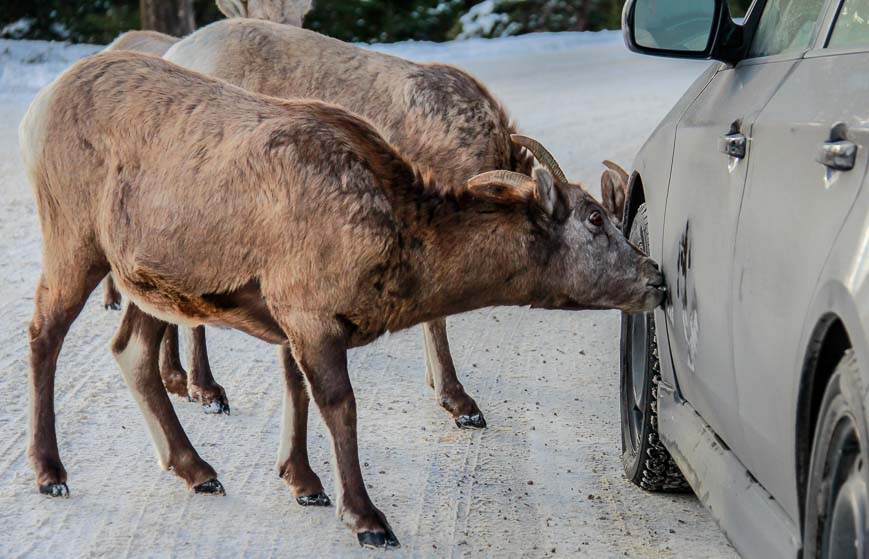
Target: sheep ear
{"x":551,"y":196}
{"x":613,"y":190}
{"x":233,"y":8}
{"x":545,"y":194}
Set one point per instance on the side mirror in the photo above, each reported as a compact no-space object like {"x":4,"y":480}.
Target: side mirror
{"x":682,"y":29}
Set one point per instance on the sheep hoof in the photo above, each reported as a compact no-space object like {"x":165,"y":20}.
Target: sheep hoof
{"x":219,"y":406}
{"x":475,"y":421}
{"x":378,"y":540}
{"x":318,"y":500}
{"x":113,"y":306}
{"x":210,"y":487}
{"x":212,"y":397}
{"x":55,"y":490}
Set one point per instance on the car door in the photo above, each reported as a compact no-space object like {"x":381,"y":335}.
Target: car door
{"x":712,"y":153}
{"x":793,"y":210}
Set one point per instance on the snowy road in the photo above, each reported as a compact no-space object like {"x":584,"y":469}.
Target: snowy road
{"x":544,"y":480}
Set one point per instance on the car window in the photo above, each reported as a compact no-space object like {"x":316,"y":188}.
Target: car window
{"x":852,"y":25}
{"x":786,"y":26}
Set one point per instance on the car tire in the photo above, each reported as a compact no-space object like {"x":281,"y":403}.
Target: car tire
{"x":837,"y":495}
{"x":646,"y":461}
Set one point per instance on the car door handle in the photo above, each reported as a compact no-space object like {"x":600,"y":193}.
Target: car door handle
{"x":838,"y":156}
{"x":733,"y":145}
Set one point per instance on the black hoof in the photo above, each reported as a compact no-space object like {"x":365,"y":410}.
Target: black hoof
{"x":211,"y":487}
{"x":220,"y":406}
{"x":476,"y":421}
{"x":318,"y":500}
{"x":55,"y":490}
{"x":115,"y":306}
{"x":378,"y":540}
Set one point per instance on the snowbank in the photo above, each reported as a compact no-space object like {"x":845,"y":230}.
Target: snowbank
{"x":31,"y":65}
{"x":481,"y":49}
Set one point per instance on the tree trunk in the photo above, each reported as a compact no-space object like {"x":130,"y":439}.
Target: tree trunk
{"x":174,"y":17}
{"x":582,"y":19}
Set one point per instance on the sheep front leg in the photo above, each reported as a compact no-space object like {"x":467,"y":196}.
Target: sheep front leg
{"x":321,"y":352}
{"x":293,"y":465}
{"x":440,"y":374}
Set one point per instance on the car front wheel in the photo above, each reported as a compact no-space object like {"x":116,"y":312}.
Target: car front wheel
{"x":837,"y":496}
{"x":646,"y":461}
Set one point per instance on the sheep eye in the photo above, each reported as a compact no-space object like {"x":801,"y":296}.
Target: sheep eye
{"x":595,"y":218}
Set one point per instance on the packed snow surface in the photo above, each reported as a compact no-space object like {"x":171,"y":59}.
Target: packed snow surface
{"x":545,"y":479}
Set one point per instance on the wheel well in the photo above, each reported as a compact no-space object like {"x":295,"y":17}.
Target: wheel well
{"x":827,"y":346}
{"x":636,"y":198}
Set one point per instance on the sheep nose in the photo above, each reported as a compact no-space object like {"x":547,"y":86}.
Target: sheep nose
{"x":656,"y":277}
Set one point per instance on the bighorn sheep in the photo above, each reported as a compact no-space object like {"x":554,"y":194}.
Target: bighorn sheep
{"x":293,"y":221}
{"x":439,"y":117}
{"x":199,"y":385}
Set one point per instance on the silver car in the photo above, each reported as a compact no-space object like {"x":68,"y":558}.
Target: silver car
{"x":751,"y":385}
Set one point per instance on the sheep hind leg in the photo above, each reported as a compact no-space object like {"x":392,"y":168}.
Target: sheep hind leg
{"x":201,"y":386}
{"x":136,"y":348}
{"x":171,"y":371}
{"x":59,"y":299}
{"x":441,"y":376}
{"x":111,"y":295}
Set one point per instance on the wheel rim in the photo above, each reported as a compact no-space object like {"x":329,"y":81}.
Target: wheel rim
{"x":847,"y":503}
{"x":638,"y":338}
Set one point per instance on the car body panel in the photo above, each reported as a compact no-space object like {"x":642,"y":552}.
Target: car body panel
{"x":705,"y":195}
{"x":789,"y":205}
{"x":651,"y":179}
{"x":653,"y":163}
{"x":752,"y":520}
{"x":843,"y":288}
{"x":763,"y":252}
{"x":773,"y":223}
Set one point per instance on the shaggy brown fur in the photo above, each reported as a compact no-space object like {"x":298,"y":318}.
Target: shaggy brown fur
{"x":438,"y":116}
{"x":293,"y":221}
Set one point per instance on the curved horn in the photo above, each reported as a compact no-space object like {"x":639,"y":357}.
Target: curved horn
{"x":503,"y":178}
{"x":621,"y":172}
{"x":542,"y":154}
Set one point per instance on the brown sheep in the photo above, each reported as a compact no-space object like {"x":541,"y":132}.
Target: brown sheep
{"x":439,"y":117}
{"x":293,"y":221}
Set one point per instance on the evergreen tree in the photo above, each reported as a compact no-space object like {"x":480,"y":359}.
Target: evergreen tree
{"x":100,"y":21}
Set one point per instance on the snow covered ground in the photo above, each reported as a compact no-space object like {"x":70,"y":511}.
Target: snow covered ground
{"x":544,"y":480}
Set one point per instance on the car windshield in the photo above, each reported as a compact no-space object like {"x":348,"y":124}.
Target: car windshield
{"x":786,"y":26}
